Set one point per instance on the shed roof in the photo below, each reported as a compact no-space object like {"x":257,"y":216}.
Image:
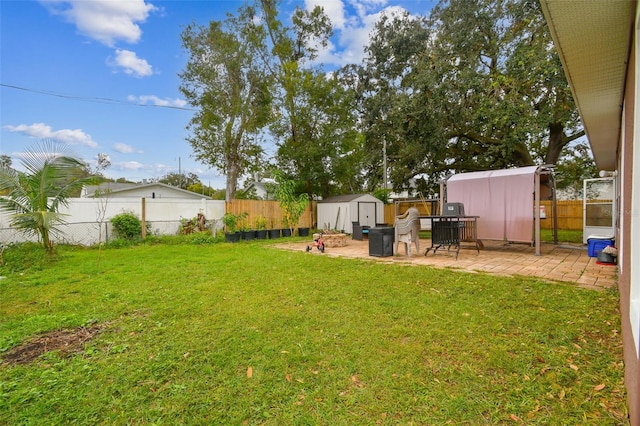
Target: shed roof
{"x":346,"y":198}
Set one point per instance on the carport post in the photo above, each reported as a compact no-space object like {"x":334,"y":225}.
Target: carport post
{"x":536,"y":213}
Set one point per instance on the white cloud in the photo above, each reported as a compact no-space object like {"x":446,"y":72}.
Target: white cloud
{"x":123,"y":148}
{"x":352,"y":31}
{"x":154,"y":100}
{"x":130,"y":165}
{"x":334,"y":9}
{"x":131,"y":64}
{"x":106,"y":21}
{"x":43,"y":131}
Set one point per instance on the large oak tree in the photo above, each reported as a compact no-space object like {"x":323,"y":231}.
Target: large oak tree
{"x":483,"y":88}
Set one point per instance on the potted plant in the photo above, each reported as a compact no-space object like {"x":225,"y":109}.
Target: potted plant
{"x":247,"y":233}
{"x":260,"y":222}
{"x":292,"y":204}
{"x":303,"y":231}
{"x":273,"y":232}
{"x":230,"y":221}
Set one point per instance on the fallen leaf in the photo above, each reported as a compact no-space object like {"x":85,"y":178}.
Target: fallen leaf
{"x":288,"y":377}
{"x":573,"y":367}
{"x":250,"y":372}
{"x":356,"y":382}
{"x":599,"y":387}
{"x":561,"y":394}
{"x":514,"y":418}
{"x":533,"y":412}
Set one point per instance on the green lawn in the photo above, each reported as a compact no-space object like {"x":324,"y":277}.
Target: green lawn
{"x":546,"y":236}
{"x":236,"y":334}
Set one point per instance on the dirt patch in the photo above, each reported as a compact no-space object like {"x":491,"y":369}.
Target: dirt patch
{"x":67,"y":342}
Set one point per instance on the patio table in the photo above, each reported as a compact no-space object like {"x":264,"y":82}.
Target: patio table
{"x":451,"y":230}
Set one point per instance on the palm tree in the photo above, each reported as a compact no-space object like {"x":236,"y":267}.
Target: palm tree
{"x":34,"y":197}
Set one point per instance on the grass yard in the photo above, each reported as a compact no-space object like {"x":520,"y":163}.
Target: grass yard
{"x":244,"y":334}
{"x":546,"y":236}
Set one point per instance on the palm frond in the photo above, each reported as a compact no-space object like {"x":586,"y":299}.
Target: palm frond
{"x":52,"y":174}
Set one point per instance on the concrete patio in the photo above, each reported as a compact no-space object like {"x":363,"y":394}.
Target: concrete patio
{"x":562,"y":262}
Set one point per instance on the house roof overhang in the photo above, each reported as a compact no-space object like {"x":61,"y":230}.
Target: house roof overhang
{"x":594,"y":39}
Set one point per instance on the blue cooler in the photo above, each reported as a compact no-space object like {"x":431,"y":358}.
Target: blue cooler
{"x":595,"y":243}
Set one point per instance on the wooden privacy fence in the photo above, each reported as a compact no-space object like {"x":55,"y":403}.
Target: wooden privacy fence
{"x":271,"y":211}
{"x":569,"y":213}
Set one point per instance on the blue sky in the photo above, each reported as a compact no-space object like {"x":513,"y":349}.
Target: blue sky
{"x":102,"y":75}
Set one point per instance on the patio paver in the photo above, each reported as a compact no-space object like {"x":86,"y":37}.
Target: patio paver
{"x":567,"y":263}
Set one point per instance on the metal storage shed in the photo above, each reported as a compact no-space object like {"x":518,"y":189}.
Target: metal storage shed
{"x":507,"y":201}
{"x":340,"y":211}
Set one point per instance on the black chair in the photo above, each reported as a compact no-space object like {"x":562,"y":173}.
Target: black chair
{"x":359,"y":231}
{"x":356,"y":234}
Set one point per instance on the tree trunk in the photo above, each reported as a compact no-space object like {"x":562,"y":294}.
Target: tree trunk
{"x":232,"y":181}
{"x":522,"y":156}
{"x":557,"y":141}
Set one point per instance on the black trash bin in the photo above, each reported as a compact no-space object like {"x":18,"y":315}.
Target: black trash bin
{"x":381,"y":241}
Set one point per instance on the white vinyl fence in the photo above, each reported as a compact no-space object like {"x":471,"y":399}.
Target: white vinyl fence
{"x":88,"y":219}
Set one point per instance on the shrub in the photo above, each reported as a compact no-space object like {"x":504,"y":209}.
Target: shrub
{"x":127,"y":225}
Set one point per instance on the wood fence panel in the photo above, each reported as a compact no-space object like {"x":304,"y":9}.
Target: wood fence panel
{"x":569,"y":215}
{"x":389,"y":214}
{"x":270,"y":210}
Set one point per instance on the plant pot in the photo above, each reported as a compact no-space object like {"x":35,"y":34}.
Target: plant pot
{"x":605,"y":258}
{"x":248,"y":235}
{"x":286,"y":232}
{"x":261,"y":234}
{"x":232,"y":237}
{"x":303,"y":232}
{"x":274,"y":233}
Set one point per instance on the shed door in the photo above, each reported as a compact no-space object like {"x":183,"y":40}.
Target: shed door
{"x":367,"y":214}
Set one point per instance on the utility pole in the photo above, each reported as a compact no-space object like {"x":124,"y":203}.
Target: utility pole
{"x":384,"y":161}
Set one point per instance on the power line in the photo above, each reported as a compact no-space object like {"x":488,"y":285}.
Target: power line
{"x":91,"y":99}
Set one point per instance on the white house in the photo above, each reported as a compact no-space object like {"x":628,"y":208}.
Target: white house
{"x":155,"y":190}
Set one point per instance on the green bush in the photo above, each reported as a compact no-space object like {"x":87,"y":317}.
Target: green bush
{"x":127,"y":225}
